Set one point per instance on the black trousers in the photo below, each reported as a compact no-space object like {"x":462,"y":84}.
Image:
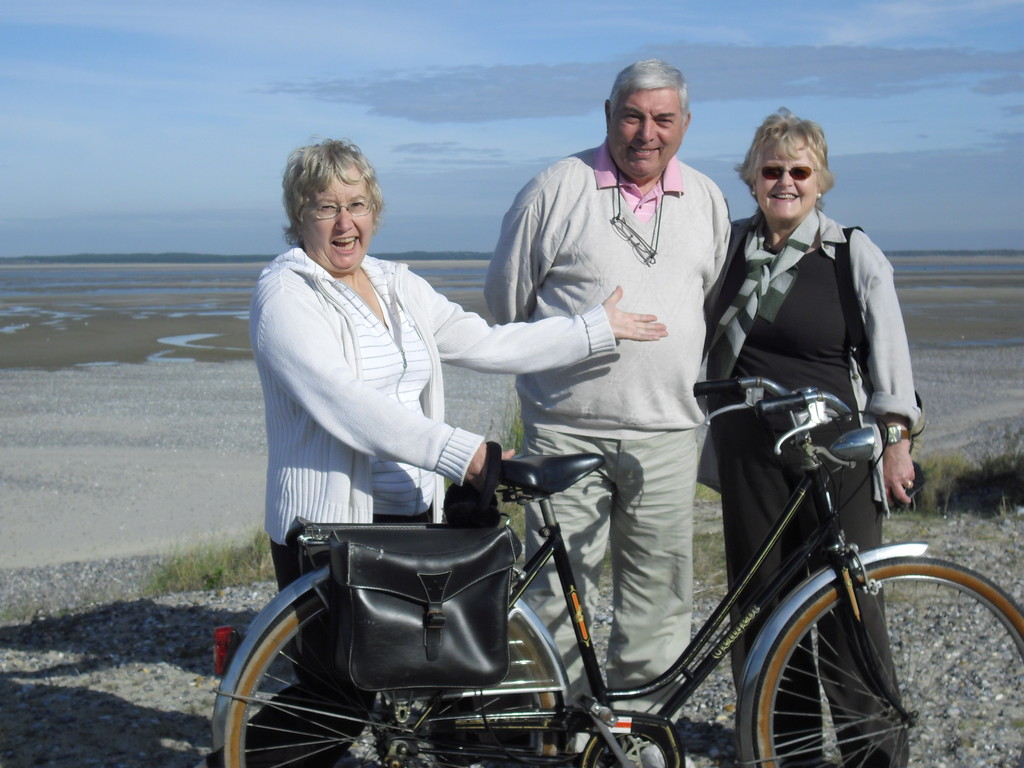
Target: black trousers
{"x":756,"y":484}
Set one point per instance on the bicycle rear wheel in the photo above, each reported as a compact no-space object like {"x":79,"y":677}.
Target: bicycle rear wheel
{"x":282,"y":704}
{"x":956,"y":642}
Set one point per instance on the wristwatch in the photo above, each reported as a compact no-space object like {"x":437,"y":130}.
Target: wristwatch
{"x":894,"y":433}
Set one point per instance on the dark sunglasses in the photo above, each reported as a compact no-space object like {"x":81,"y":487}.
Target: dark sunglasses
{"x":797,"y":172}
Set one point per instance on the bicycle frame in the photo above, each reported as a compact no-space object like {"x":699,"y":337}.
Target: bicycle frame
{"x":530,"y":717}
{"x":711,"y":643}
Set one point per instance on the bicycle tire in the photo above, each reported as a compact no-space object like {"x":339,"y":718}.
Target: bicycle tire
{"x":337,"y":722}
{"x":957,"y":647}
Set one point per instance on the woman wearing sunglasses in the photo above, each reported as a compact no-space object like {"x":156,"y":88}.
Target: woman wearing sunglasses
{"x":779,"y":315}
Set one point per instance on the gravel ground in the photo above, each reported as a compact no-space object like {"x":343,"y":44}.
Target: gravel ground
{"x":128,"y":684}
{"x":100,"y":676}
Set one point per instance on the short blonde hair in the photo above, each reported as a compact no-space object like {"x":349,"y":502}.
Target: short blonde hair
{"x":313,"y":169}
{"x":789,"y":134}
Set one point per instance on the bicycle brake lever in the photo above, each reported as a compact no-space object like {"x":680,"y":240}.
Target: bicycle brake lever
{"x":723,"y":409}
{"x":805,"y":427}
{"x":815,"y":414}
{"x":751,"y":397}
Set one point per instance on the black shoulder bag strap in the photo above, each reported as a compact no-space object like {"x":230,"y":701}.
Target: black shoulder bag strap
{"x":856,"y":338}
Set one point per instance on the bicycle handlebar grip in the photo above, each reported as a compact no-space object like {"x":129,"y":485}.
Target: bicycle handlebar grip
{"x":716,"y":386}
{"x":784,"y":404}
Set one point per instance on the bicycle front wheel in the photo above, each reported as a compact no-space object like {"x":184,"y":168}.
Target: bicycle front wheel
{"x":950,"y":648}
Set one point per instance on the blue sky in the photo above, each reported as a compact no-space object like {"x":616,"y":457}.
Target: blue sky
{"x":153,"y":127}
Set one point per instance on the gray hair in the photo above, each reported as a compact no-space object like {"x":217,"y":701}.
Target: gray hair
{"x":313,"y":169}
{"x":648,"y":75}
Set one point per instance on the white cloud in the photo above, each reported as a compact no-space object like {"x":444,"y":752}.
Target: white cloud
{"x":467,"y":94}
{"x":946,"y":21}
{"x":150,"y":114}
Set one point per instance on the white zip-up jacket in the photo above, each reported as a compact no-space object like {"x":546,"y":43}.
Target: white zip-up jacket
{"x":324,"y":424}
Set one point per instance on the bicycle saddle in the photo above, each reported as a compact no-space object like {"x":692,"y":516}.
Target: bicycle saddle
{"x":548,"y":474}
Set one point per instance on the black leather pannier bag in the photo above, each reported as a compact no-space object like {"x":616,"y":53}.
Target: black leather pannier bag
{"x":421,"y":606}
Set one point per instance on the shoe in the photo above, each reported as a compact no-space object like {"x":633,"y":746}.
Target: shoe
{"x":651,"y":757}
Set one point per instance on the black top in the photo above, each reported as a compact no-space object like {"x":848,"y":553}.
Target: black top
{"x":806,"y":344}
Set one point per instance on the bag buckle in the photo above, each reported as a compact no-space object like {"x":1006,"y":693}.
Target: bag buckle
{"x":434,"y":618}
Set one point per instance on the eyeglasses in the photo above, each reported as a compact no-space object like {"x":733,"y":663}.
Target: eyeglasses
{"x":646,"y":252}
{"x":331,"y":211}
{"x":796,"y":173}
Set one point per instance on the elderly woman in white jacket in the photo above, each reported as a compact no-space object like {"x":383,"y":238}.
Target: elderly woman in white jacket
{"x":349,"y":351}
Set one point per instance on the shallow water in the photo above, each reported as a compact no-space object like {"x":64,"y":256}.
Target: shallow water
{"x":54,"y":314}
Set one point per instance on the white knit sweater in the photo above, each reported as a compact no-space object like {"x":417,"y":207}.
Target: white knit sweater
{"x":323,"y":422}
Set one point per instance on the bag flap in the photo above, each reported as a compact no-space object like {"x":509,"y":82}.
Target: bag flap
{"x":423,"y":564}
{"x":423,"y":577}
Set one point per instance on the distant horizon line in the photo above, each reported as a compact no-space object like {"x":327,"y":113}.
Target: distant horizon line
{"x":184,"y":257}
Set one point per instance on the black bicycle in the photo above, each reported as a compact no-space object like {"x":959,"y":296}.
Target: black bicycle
{"x":946,"y":683}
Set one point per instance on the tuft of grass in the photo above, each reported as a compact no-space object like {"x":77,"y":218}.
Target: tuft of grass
{"x":708,"y":554}
{"x":942,"y":473}
{"x":1004,"y":471}
{"x":992,"y":485}
{"x":214,"y":565}
{"x":514,"y":433}
{"x":707,"y":494}
{"x":513,"y":440}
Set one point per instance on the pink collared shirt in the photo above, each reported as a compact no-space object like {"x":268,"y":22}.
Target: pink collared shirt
{"x":606,"y":173}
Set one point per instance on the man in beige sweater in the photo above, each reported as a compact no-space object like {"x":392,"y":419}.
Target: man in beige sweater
{"x":625,"y":213}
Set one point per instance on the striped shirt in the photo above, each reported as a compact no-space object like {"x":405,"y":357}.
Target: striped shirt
{"x":396,"y":365}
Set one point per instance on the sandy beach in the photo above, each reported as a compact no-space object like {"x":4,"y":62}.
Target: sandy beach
{"x":125,"y":460}
{"x":163,"y":446}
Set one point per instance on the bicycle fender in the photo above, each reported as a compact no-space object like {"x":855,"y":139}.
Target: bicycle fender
{"x":526,"y":628}
{"x":810,"y":585}
{"x":259,"y":625}
{"x":547,"y":673}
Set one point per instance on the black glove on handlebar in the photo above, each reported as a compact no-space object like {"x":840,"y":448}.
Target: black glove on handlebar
{"x":466,"y":507}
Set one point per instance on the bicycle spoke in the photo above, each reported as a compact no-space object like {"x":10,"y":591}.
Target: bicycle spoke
{"x":957,"y":658}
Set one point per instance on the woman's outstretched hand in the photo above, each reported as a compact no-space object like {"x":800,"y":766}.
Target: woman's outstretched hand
{"x":629,"y":325}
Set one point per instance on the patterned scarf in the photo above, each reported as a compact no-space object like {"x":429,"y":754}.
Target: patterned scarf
{"x":769,"y":278}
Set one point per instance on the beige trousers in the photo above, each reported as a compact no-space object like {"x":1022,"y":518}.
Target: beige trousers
{"x":639,"y":506}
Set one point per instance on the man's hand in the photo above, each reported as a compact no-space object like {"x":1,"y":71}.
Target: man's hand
{"x":628,"y":325}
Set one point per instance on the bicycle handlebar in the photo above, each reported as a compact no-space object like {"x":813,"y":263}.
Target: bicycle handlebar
{"x":799,"y":401}
{"x":782,"y":400}
{"x":807,"y":407}
{"x":739,"y":385}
